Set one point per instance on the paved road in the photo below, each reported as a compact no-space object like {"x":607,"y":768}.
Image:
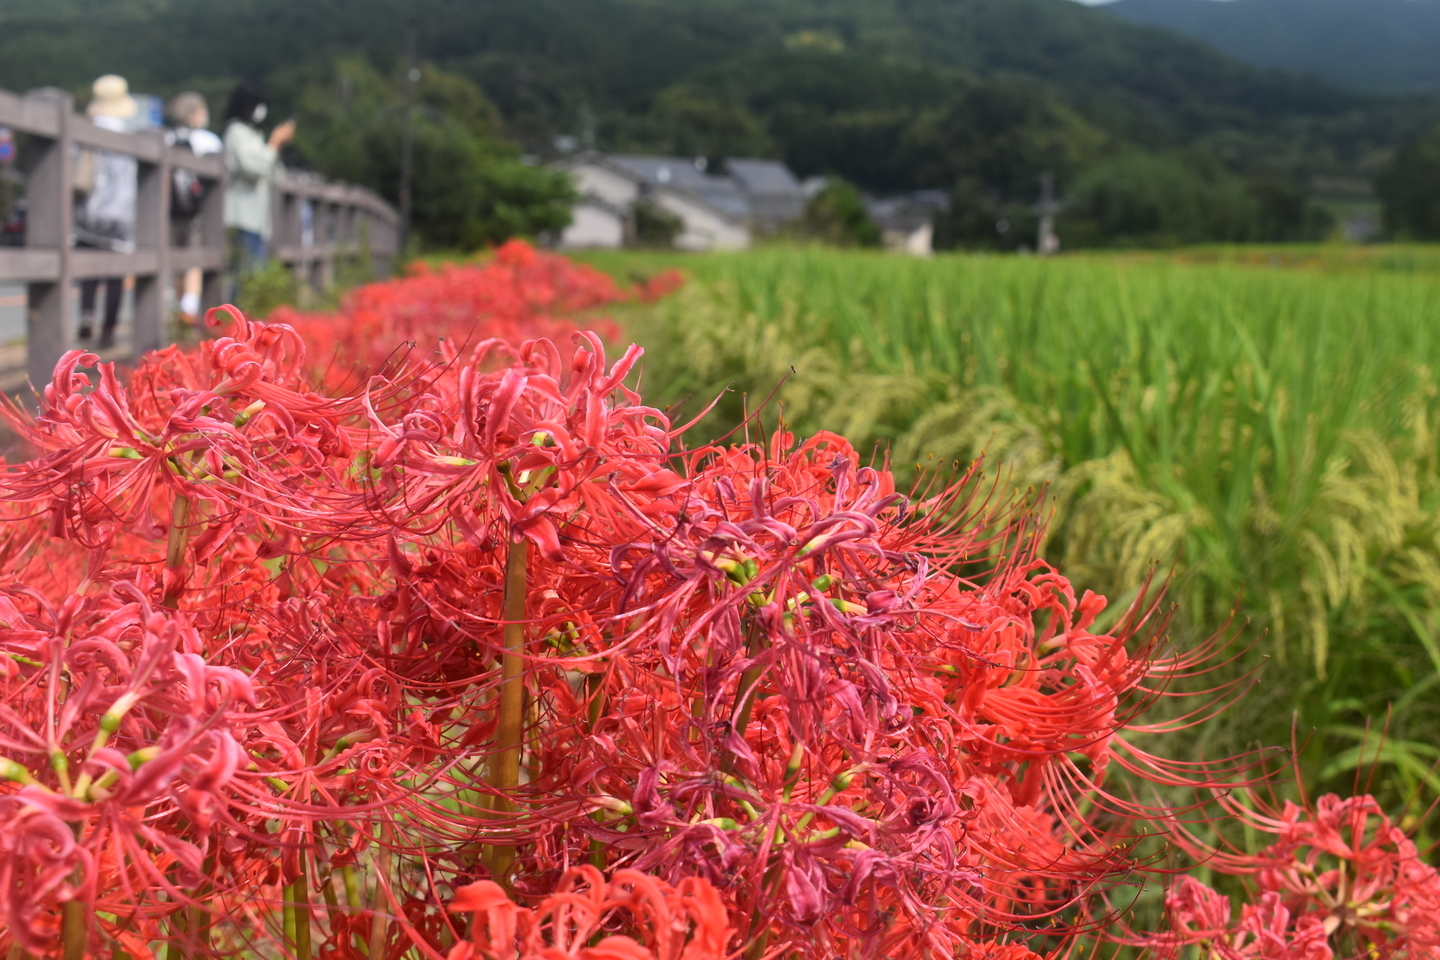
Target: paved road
{"x":12,"y":334}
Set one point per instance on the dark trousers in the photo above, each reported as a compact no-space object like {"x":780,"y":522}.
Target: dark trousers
{"x":88,"y":291}
{"x":247,"y":256}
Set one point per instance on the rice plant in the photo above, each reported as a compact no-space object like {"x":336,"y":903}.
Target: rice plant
{"x":1271,"y":433}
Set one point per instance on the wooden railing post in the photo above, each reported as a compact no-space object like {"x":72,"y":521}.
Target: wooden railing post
{"x":212,"y":235}
{"x":50,"y":322}
{"x":152,"y":232}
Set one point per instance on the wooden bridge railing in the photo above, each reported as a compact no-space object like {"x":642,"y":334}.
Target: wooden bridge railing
{"x":316,"y":223}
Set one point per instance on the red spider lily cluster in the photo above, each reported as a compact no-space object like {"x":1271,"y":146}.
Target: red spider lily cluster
{"x":1341,"y":880}
{"x":517,"y":294}
{"x":568,"y":922}
{"x":298,"y":664}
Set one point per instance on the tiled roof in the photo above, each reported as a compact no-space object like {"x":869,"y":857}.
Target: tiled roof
{"x":764,"y":176}
{"x":662,"y":171}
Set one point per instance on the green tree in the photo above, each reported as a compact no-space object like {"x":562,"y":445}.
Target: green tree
{"x":980,"y":218}
{"x":1150,"y":199}
{"x":693,"y":124}
{"x":470,"y":187}
{"x":1409,"y":189}
{"x":837,"y":215}
{"x":1004,"y":133}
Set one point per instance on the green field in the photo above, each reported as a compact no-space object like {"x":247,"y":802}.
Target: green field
{"x":1264,"y":420}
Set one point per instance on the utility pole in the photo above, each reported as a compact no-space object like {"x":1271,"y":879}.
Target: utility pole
{"x":1046,"y":240}
{"x":407,"y":141}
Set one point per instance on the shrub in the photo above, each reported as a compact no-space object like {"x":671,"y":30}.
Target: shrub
{"x":837,"y":215}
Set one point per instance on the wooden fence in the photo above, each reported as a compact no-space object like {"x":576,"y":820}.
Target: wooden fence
{"x":316,"y":223}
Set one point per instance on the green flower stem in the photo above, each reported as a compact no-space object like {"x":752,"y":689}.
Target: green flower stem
{"x":747,"y":691}
{"x":297,"y":904}
{"x":174,"y":948}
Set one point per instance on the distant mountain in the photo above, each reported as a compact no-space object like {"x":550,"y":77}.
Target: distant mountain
{"x":1383,"y":46}
{"x":560,"y":66}
{"x":976,"y":97}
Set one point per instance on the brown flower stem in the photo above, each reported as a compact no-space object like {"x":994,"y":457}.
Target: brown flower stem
{"x":75,"y":918}
{"x":175,"y":549}
{"x":327,"y":890}
{"x":510,"y":726}
{"x":378,"y":906}
{"x":74,"y":930}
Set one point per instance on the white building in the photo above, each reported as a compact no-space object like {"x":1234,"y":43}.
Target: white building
{"x":703,"y":225}
{"x":595,"y":223}
{"x":716,"y":212}
{"x":907,"y":223}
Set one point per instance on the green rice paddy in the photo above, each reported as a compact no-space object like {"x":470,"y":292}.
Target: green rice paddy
{"x":1260,"y":423}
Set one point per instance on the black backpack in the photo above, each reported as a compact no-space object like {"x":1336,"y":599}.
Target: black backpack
{"x":187,"y":190}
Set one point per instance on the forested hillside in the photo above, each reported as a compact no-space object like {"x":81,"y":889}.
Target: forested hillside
{"x":1386,"y":46}
{"x":1153,"y":137}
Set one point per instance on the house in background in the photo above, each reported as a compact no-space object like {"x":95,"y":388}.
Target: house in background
{"x":596,"y":223}
{"x":776,"y":198}
{"x":716,"y":211}
{"x":907,"y":222}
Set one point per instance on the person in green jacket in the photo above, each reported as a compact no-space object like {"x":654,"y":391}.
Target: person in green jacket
{"x":252,"y":163}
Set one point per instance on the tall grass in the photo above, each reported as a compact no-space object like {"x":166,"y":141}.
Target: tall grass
{"x":1270,"y":432}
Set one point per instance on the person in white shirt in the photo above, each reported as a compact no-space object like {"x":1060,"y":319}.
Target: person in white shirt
{"x":252,"y":163}
{"x":189,"y":118}
{"x":105,"y":218}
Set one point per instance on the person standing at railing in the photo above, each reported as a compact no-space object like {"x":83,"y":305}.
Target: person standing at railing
{"x":105,"y":218}
{"x":189,"y":117}
{"x":252,"y":164}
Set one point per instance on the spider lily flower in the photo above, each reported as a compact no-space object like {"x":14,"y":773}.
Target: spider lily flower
{"x":236,"y":440}
{"x":455,"y":315}
{"x":808,"y":711}
{"x":580,"y":918}
{"x":786,"y":709}
{"x":527,"y":444}
{"x":121,"y":741}
{"x":1339,"y":880}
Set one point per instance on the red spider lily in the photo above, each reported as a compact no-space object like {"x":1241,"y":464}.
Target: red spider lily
{"x":687,"y":922}
{"x":110,"y":463}
{"x":504,"y":633}
{"x":129,"y":768}
{"x":518,"y":294}
{"x":1341,"y":880}
{"x":776,"y":689}
{"x":526,"y":444}
{"x":271,"y":472}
